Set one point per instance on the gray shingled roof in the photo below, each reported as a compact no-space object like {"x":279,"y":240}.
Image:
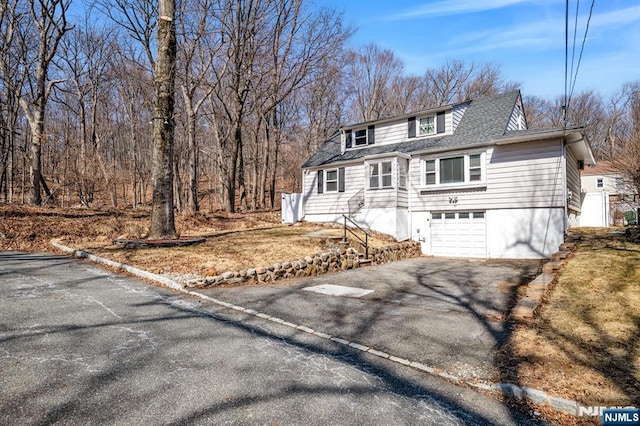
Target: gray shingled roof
{"x":485,"y":120}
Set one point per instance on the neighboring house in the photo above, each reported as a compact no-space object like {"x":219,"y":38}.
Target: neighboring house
{"x":466,"y":180}
{"x":605,"y":195}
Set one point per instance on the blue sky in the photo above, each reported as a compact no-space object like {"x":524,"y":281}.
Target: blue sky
{"x":525,"y":38}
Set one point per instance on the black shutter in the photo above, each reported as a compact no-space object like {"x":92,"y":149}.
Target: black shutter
{"x":320,"y":182}
{"x":347,"y":136}
{"x":411,"y":122}
{"x":440,"y":122}
{"x":341,"y":179}
{"x":371,"y":135}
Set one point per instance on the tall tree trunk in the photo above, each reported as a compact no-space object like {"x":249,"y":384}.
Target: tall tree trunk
{"x":35,"y":196}
{"x":192,"y":200}
{"x":232,"y":172}
{"x":241,"y":185}
{"x":162,"y":215}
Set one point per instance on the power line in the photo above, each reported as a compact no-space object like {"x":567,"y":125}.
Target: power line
{"x":584,"y":40}
{"x":573,"y":76}
{"x":566,"y":61}
{"x":573,"y":48}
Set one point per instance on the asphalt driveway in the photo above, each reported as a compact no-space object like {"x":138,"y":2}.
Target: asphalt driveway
{"x":444,"y":313}
{"x":80,"y":345}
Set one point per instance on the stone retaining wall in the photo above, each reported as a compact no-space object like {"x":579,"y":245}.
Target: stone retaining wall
{"x":317,"y":264}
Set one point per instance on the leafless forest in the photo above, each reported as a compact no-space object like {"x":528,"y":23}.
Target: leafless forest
{"x":259,"y":84}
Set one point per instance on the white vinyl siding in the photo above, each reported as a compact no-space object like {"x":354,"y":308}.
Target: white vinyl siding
{"x":517,"y":176}
{"x":454,"y":118}
{"x":391,"y":133}
{"x":573,"y":182}
{"x":389,"y":195}
{"x":331,"y":202}
{"x":398,"y":131}
{"x":517,"y":120}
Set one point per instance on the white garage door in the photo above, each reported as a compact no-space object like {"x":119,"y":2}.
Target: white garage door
{"x":459,"y":234}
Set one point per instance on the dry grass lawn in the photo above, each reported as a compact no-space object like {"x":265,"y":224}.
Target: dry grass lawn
{"x":585,"y":343}
{"x":233,"y":241}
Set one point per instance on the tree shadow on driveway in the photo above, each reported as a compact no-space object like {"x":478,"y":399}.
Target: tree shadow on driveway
{"x":147,"y":355}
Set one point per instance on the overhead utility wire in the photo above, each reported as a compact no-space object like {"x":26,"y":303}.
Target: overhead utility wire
{"x":566,"y":61}
{"x":584,"y":40}
{"x":573,"y":53}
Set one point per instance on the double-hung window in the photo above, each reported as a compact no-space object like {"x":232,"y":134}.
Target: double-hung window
{"x":402,"y":173}
{"x":475,"y":168}
{"x":600,"y":183}
{"x":380,"y":175}
{"x":427,"y":126}
{"x":360,"y":137}
{"x":331,"y":180}
{"x":460,"y":169}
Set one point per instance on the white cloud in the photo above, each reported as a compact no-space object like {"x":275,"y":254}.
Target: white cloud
{"x":617,"y":17}
{"x":449,"y":7}
{"x":548,"y":33}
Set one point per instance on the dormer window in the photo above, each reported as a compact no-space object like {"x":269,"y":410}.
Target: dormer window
{"x":427,"y":126}
{"x":360,"y":137}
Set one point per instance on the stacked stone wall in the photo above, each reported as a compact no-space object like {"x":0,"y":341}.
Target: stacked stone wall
{"x":317,"y":264}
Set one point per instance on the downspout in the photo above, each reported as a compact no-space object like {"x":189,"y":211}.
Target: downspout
{"x":410,"y":201}
{"x":302,"y":196}
{"x":565,"y":201}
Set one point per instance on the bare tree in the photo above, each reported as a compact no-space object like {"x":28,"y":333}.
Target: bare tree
{"x":48,"y":20}
{"x":299,"y":42}
{"x":234,"y":73}
{"x":138,"y":18}
{"x":195,"y":59}
{"x":162,"y":215}
{"x":626,"y":151}
{"x":371,"y":71}
{"x":540,"y":112}
{"x":446,"y":84}
{"x":9,"y":108}
{"x":84,"y":58}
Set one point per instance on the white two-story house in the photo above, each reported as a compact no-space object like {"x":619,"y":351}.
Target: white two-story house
{"x":466,"y":180}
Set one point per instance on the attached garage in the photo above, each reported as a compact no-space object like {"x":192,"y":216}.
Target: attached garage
{"x":459,"y":234}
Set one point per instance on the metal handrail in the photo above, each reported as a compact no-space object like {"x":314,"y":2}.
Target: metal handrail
{"x":366,"y":235}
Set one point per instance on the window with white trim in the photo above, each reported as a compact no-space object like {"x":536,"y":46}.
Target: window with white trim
{"x":475,"y":168}
{"x":600,"y":183}
{"x":331,"y":180}
{"x":380,"y":175}
{"x":460,"y":169}
{"x":402,"y":173}
{"x":360,"y":137}
{"x":427,"y":125}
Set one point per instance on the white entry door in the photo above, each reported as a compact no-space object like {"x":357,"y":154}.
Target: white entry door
{"x":459,"y":234}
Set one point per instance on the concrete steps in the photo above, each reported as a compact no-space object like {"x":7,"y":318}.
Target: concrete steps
{"x":527,"y":306}
{"x":552,"y":267}
{"x":561,"y":255}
